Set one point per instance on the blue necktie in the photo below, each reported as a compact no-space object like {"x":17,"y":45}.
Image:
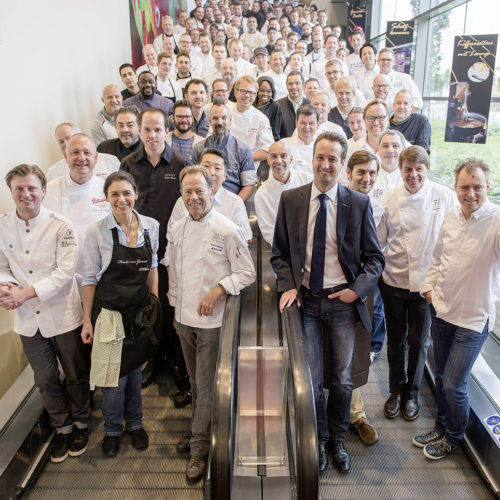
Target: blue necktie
{"x":318,"y":253}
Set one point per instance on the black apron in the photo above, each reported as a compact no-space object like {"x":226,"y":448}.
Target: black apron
{"x":123,"y":287}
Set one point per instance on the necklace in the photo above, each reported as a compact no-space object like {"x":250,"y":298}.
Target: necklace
{"x":131,"y":223}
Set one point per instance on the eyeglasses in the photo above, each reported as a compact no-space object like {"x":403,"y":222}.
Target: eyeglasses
{"x":247,"y":92}
{"x":379,"y":118}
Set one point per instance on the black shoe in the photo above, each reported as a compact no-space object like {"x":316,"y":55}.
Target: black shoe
{"x":340,"y":457}
{"x":322,"y":458}
{"x":182,"y":398}
{"x":60,"y":449}
{"x":183,"y":445}
{"x":392,"y":406}
{"x":140,"y":439}
{"x":148,"y":373}
{"x":411,"y":409}
{"x":78,"y":441}
{"x":110,"y":445}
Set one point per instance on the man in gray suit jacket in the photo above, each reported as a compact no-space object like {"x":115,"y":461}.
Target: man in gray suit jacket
{"x":291,"y":103}
{"x":327,"y":257}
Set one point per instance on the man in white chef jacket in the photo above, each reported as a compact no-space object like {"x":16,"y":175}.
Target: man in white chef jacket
{"x":38,"y":254}
{"x":78,"y":195}
{"x":281,"y":178}
{"x":411,"y":220}
{"x":208,"y":259}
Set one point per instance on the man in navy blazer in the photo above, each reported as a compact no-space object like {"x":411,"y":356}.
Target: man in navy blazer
{"x":346,"y":256}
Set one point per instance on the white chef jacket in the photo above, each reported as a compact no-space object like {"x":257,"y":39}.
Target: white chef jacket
{"x":364,"y":79}
{"x":82,"y":204}
{"x":326,"y":126}
{"x":302,"y":154}
{"x":252,"y":127}
{"x":354,"y":63}
{"x":464,"y":277}
{"x":377,"y":210}
{"x":210,"y":75}
{"x":267,"y":199}
{"x":42,"y":254}
{"x":401,"y":81}
{"x":226,"y":203}
{"x":409,"y":230}
{"x":318,"y":71}
{"x":279,"y":83}
{"x":243,"y":67}
{"x":98,"y":249}
{"x":314,"y":56}
{"x":254,"y":40}
{"x":385,"y":182}
{"x":169,"y":88}
{"x":106,"y":164}
{"x":203,"y":254}
{"x":207,"y":61}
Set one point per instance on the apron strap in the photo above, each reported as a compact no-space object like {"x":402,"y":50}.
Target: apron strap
{"x":114,"y":232}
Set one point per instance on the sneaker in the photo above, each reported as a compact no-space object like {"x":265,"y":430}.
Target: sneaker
{"x":140,"y":439}
{"x":110,"y":445}
{"x":182,"y":398}
{"x":196,"y":468}
{"x":60,"y":448}
{"x":78,"y":442}
{"x":438,"y":449}
{"x":423,"y":439}
{"x":373,"y":356}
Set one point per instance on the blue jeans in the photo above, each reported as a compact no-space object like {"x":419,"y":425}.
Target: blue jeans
{"x":455,"y":351}
{"x":378,"y":330}
{"x":123,"y":401}
{"x":339,"y":319}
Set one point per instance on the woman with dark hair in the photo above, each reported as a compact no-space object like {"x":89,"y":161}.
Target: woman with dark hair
{"x":121,"y":313}
{"x":265,"y":102}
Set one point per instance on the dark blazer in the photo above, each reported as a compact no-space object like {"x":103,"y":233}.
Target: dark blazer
{"x":288,"y":116}
{"x":359,"y":251}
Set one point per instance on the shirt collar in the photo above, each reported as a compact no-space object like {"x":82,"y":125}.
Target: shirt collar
{"x":34,"y":221}
{"x":207,"y":217}
{"x":71,"y":183}
{"x":331,"y":193}
{"x":218,"y":197}
{"x":276,"y":182}
{"x":166,"y":155}
{"x":111,"y":221}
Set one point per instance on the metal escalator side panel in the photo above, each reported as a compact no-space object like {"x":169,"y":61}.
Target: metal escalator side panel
{"x":220,"y":459}
{"x":306,"y":440}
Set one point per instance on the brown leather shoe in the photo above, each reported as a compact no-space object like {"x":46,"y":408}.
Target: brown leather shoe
{"x":366,"y":432}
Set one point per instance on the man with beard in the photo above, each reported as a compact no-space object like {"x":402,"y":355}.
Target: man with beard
{"x":241,"y":176}
{"x":182,"y":139}
{"x":127,"y":128}
{"x":147,"y":98}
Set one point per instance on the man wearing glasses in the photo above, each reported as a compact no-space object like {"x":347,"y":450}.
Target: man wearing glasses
{"x":182,"y":139}
{"x":397,"y":80}
{"x":249,"y":124}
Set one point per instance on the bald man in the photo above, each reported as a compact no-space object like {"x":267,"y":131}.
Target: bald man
{"x":103,"y":127}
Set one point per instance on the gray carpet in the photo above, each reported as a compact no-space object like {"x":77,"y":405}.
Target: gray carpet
{"x":394,"y":468}
{"x":156,"y":473}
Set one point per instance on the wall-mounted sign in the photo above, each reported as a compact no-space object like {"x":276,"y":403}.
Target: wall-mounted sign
{"x":399,"y":37}
{"x":471,"y":83}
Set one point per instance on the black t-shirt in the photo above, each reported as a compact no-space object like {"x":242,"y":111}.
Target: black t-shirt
{"x":115,"y":147}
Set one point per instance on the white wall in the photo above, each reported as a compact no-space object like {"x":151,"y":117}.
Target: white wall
{"x":56,"y":56}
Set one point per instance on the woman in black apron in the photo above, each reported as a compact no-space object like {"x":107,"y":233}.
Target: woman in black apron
{"x":120,"y":281}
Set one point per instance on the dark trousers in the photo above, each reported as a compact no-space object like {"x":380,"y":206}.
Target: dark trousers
{"x":339,"y":319}
{"x":170,"y":346}
{"x":64,"y":406}
{"x":407,"y":317}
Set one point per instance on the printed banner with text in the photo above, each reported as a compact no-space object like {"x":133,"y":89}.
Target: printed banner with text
{"x":356,"y":21}
{"x":471,"y":82}
{"x":399,"y":37}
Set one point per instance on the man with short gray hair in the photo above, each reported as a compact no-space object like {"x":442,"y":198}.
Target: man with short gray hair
{"x":211,"y":247}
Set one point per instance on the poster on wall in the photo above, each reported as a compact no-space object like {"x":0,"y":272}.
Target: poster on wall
{"x":356,"y":21}
{"x":471,"y":82}
{"x":145,"y":22}
{"x":399,"y":37}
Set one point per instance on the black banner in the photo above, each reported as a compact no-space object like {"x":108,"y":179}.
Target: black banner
{"x":471,"y":83}
{"x":399,"y":37}
{"x":356,"y":21}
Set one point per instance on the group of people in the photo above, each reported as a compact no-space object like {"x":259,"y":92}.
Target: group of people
{"x":133,"y":240}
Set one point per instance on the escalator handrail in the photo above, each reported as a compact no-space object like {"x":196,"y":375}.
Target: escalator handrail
{"x":221,"y":454}
{"x":306,"y":441}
